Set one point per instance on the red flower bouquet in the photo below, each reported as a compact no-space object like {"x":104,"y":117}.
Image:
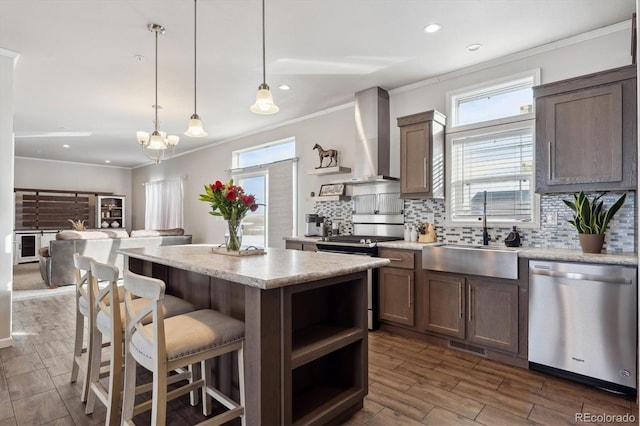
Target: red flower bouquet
{"x":230,"y":202}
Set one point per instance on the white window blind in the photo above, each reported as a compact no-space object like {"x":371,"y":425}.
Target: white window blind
{"x":500,"y":163}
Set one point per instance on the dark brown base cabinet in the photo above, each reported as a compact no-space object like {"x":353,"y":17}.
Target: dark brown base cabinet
{"x":486,"y":316}
{"x":396,"y":286}
{"x":483,"y":311}
{"x":586,"y":131}
{"x":442,"y":304}
{"x":396,"y":295}
{"x":492,"y":314}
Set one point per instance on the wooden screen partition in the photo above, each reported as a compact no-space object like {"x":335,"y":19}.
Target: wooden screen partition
{"x":51,"y":209}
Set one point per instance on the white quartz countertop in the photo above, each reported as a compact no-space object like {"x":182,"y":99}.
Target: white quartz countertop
{"x":540,"y":253}
{"x":570,"y":255}
{"x":277,"y":268}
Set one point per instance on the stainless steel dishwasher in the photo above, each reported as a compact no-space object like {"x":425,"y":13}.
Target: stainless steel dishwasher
{"x":583,"y":323}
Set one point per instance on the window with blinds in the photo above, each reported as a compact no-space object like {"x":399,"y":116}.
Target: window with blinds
{"x":500,"y":163}
{"x":490,"y":152}
{"x":268,"y":171}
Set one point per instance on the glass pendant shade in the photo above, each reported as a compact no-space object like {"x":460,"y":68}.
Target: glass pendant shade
{"x":172,"y":140}
{"x":264,"y":102}
{"x":156,"y":142}
{"x":143,"y":137}
{"x":195,"y":129}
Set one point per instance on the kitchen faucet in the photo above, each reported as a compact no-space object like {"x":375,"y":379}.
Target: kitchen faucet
{"x":485,"y":233}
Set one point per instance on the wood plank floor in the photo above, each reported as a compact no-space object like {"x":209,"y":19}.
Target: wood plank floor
{"x":410,"y":382}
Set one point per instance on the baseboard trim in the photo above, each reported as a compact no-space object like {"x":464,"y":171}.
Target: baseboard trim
{"x":5,"y":343}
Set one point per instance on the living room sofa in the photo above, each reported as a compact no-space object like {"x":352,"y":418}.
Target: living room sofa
{"x":56,"y":261}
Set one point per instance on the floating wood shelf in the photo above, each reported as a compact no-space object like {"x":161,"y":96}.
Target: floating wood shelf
{"x":329,"y":170}
{"x":331,"y":198}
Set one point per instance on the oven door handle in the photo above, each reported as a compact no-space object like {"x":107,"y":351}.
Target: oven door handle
{"x":343,"y":252}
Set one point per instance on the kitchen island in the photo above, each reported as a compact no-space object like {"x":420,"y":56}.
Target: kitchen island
{"x":305,"y":324}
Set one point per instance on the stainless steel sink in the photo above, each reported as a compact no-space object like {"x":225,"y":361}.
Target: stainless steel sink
{"x":489,"y":261}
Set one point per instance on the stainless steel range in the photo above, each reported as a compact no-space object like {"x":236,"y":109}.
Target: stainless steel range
{"x":366,"y":245}
{"x":376,"y":218}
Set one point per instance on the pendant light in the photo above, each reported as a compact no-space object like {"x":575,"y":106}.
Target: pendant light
{"x":157,"y":145}
{"x":264,"y":100}
{"x":195,"y":129}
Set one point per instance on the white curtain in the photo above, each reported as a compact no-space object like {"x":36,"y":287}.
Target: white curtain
{"x":163,"y":204}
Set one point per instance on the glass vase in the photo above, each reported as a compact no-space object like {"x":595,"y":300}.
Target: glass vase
{"x":233,"y":235}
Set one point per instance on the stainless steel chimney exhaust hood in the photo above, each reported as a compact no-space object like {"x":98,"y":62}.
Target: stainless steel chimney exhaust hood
{"x":371,"y":162}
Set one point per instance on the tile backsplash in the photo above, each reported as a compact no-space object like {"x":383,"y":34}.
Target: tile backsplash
{"x":620,"y":234}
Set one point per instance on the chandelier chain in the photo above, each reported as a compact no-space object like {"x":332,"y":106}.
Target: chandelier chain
{"x":195,"y":52}
{"x":156,"y":104}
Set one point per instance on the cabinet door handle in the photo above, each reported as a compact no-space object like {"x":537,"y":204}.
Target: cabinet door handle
{"x":424,"y":172}
{"x":409,"y":291}
{"x":550,"y":159}
{"x":470,"y":304}
{"x":460,"y":300}
{"x":394,"y":259}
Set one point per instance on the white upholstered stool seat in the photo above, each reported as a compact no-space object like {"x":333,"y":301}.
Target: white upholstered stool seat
{"x":168,"y":344}
{"x":187,"y":334}
{"x":172,"y":306}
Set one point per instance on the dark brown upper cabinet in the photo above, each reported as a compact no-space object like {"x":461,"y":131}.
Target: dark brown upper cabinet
{"x":422,"y":155}
{"x":586,"y":133}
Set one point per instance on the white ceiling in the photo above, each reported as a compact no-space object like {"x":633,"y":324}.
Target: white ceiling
{"x":78,"y":70}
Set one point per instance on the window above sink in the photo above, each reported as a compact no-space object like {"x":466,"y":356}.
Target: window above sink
{"x":490,"y":147}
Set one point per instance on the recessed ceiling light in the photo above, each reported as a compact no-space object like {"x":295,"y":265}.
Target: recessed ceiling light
{"x":107,"y":161}
{"x":473,"y":47}
{"x":66,"y":146}
{"x":284,"y":87}
{"x":432,"y":28}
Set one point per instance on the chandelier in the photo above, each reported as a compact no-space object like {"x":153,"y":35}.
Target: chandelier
{"x":157,"y":146}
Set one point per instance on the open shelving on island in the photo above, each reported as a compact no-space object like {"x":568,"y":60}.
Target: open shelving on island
{"x":325,"y":349}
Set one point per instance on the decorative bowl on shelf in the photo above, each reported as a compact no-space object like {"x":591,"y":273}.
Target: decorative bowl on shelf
{"x":115,"y":224}
{"x":105,"y":224}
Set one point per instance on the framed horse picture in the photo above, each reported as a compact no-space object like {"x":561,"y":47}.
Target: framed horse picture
{"x":331,"y":189}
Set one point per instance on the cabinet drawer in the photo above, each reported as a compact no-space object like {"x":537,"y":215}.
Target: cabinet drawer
{"x":398,"y":258}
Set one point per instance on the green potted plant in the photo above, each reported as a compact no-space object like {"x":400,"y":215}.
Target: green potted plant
{"x":591,"y":219}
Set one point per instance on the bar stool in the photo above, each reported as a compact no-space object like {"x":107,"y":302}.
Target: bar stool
{"x":108,"y":320}
{"x":170,"y":343}
{"x":84,"y":310}
{"x":83,"y":304}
